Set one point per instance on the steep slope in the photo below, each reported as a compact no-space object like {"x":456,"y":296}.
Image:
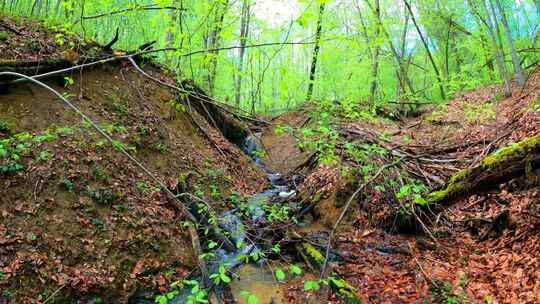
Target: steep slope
{"x":79,"y":220}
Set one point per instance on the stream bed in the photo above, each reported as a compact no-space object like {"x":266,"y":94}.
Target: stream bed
{"x":257,"y":277}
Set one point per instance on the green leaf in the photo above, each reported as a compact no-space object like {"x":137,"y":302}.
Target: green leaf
{"x":311,"y":285}
{"x":295,"y":270}
{"x":280,"y":274}
{"x":252,"y":299}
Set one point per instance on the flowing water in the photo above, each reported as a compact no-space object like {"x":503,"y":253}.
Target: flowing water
{"x":256,"y":278}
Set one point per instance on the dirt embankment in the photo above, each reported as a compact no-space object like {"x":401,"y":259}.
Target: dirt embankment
{"x":78,"y":220}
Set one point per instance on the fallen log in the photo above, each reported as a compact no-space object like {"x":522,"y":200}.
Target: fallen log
{"x":507,"y":163}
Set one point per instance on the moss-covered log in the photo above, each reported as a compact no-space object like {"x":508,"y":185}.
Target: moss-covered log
{"x":316,"y":259}
{"x":502,"y":166}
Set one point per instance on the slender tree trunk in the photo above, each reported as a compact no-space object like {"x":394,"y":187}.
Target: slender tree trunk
{"x":400,"y":85}
{"x":516,"y":61}
{"x":397,"y":57}
{"x":316,"y":50}
{"x":499,"y":57}
{"x":430,"y":56}
{"x":213,"y":42}
{"x":375,"y":56}
{"x":244,"y":31}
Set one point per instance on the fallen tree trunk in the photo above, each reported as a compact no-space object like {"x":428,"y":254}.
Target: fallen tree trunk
{"x":500,"y":167}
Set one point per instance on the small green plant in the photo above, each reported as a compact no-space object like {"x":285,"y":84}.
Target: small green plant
{"x":64,"y":131}
{"x":103,"y":196}
{"x":99,"y":223}
{"x":250,"y":298}
{"x":44,"y":156}
{"x":146,"y":188}
{"x":197,"y":294}
{"x":4,"y":36}
{"x":214,"y":192}
{"x":68,"y":185}
{"x":160,"y":147}
{"x":295,"y":270}
{"x":31,"y":237}
{"x":280,"y":274}
{"x":479,"y":113}
{"x":11,"y":168}
{"x":220,"y":276}
{"x":310,"y":285}
{"x":5,"y":127}
{"x":47,"y":136}
{"x":68,"y":81}
{"x":3,"y":275}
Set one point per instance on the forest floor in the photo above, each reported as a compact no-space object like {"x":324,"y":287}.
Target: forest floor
{"x":475,"y":259}
{"x":79,"y":220}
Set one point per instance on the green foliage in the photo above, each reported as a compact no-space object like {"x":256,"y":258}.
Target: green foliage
{"x":249,"y":297}
{"x":5,"y":127}
{"x":479,"y":113}
{"x":311,"y":285}
{"x":44,"y":156}
{"x":146,"y":188}
{"x":104,"y":196}
{"x":68,"y":185}
{"x":295,"y":270}
{"x":221,"y":276}
{"x":280,"y":274}
{"x":11,"y":168}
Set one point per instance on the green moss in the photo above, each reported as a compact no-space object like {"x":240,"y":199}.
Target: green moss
{"x":461,"y":175}
{"x":345,"y":291}
{"x":8,"y":62}
{"x":3,"y":36}
{"x":510,"y":152}
{"x":313,"y":253}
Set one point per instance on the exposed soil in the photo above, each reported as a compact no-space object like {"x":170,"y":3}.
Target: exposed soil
{"x":79,"y":218}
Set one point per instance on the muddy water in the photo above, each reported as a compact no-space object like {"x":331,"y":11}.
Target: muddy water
{"x":260,"y":282}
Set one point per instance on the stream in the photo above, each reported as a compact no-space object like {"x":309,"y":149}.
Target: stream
{"x":254,"y":277}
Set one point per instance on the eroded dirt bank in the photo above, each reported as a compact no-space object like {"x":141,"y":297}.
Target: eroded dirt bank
{"x":78,"y":219}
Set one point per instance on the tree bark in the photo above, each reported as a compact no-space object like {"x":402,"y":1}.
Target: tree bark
{"x":516,"y":61}
{"x":502,"y":166}
{"x":244,"y":31}
{"x":397,"y":57}
{"x":430,"y":56}
{"x":316,"y":50}
{"x":499,"y":56}
{"x":375,"y":56}
{"x":214,"y":40}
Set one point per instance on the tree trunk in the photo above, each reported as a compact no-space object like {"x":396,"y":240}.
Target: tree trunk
{"x":499,"y":56}
{"x":516,"y":61}
{"x":213,"y":42}
{"x":244,"y":31}
{"x":502,"y":166}
{"x":430,"y":56}
{"x":316,"y":49}
{"x":395,"y":53}
{"x":375,"y":56}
